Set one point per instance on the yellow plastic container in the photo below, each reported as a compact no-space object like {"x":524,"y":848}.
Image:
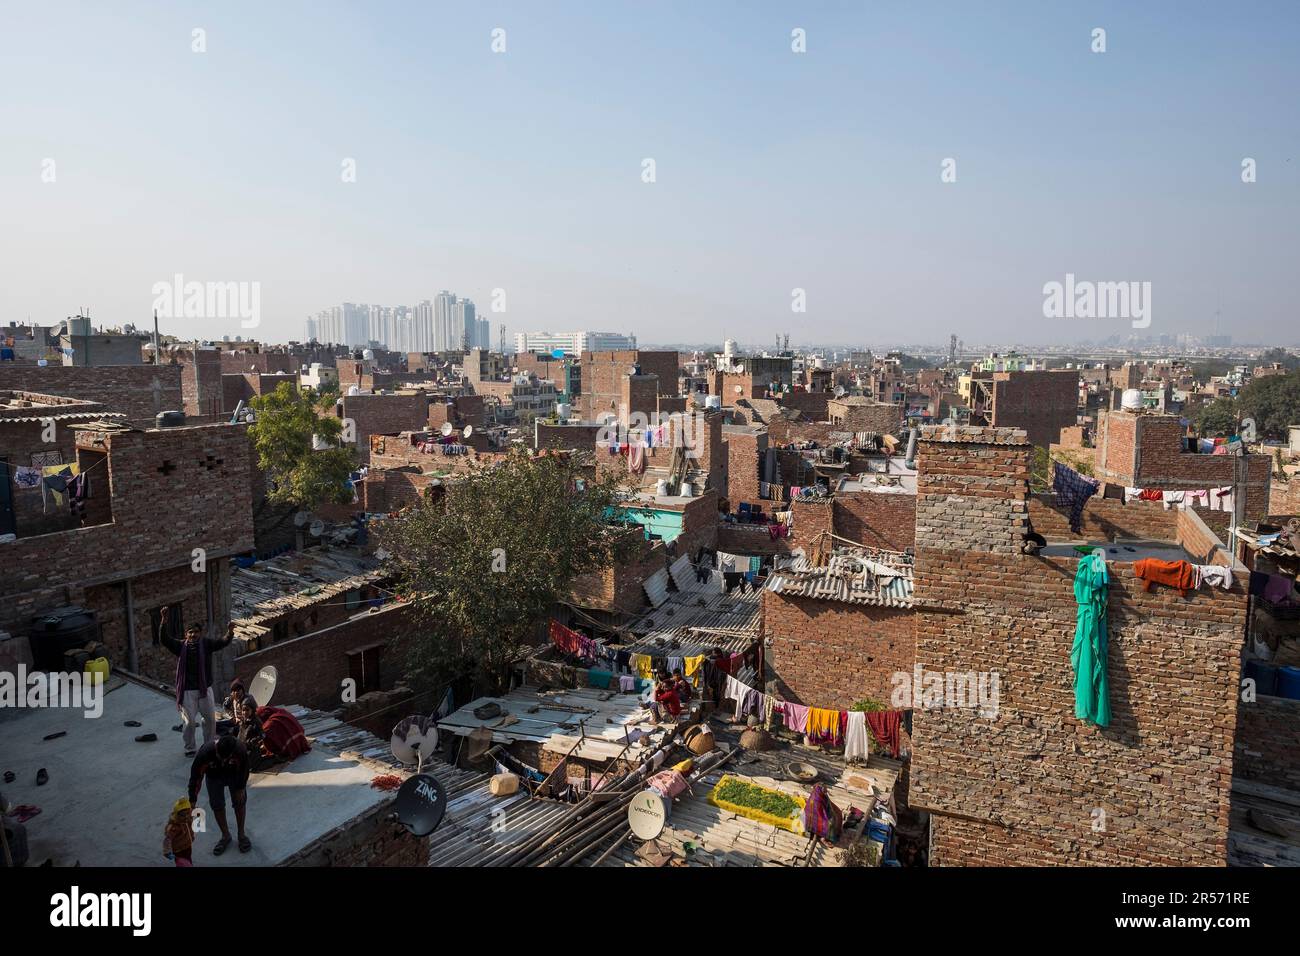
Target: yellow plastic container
{"x":97,"y":670}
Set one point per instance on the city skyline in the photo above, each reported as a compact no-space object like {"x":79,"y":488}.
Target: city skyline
{"x":776,"y":175}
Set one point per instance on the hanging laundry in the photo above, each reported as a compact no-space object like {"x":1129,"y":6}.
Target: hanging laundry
{"x":29,"y":478}
{"x":855,"y":737}
{"x":1089,"y":652}
{"x":1175,"y":574}
{"x":692,"y":671}
{"x":1152,"y":494}
{"x":885,"y":726}
{"x":1213,"y":575}
{"x":643,"y":665}
{"x":1073,"y":491}
{"x":795,"y":716}
{"x":1172,"y":498}
{"x":826,"y":727}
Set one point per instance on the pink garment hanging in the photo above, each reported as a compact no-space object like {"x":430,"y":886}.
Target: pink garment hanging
{"x":795,"y":716}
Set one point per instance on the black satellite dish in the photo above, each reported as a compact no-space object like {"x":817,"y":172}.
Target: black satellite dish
{"x":421,"y":804}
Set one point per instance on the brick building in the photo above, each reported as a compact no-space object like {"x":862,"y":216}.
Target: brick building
{"x":1033,"y":784}
{"x":1145,"y":450}
{"x":603,"y":378}
{"x":137,"y":391}
{"x":1041,"y":402}
{"x":384,"y":414}
{"x":156,"y":497}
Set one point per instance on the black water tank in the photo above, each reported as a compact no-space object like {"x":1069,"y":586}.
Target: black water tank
{"x":169,"y":419}
{"x":60,"y":630}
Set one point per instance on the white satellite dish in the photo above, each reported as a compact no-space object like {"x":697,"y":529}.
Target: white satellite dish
{"x":317,"y":528}
{"x":262,"y":687}
{"x":740,"y":389}
{"x":413,"y":739}
{"x":446,"y":429}
{"x":647,"y":814}
{"x":301,"y":518}
{"x":469,"y":430}
{"x":839,"y":391}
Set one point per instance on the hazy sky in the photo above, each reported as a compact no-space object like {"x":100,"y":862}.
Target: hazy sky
{"x":774,"y":170}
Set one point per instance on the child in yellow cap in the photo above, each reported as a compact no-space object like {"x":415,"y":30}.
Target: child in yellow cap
{"x":178,"y":837}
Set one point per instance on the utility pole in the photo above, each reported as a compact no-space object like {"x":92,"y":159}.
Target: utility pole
{"x":155,"y":336}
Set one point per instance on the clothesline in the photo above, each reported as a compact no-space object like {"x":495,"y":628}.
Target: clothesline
{"x":821,"y":725}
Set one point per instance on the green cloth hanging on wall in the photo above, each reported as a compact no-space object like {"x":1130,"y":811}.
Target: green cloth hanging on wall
{"x":1088,"y":655}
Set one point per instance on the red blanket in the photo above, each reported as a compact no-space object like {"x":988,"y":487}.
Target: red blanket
{"x":284,"y":735}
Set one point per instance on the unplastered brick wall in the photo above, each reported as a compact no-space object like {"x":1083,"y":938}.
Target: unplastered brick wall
{"x":372,"y":838}
{"x":971,"y":492}
{"x":172,"y":491}
{"x":1104,"y":519}
{"x":1268,"y":742}
{"x":1040,"y":402}
{"x":138,"y":391}
{"x":312,"y":668}
{"x":745,"y":452}
{"x":811,"y":519}
{"x":832,"y":654}
{"x":1145,"y":450}
{"x":384,"y":415}
{"x":1033,"y":784}
{"x":876,"y":519}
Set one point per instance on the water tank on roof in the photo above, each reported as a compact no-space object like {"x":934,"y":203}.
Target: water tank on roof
{"x":563,"y":410}
{"x":1131,"y":399}
{"x":713,"y":402}
{"x":172,"y":419}
{"x":58,"y":631}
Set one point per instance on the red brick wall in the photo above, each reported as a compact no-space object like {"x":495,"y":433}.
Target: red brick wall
{"x":384,"y":415}
{"x":312,"y":668}
{"x":831,"y":654}
{"x":371,"y":839}
{"x":129,"y":389}
{"x":745,"y":452}
{"x":172,"y":490}
{"x":1268,"y":742}
{"x":876,"y":519}
{"x":1040,"y":402}
{"x":1145,"y":451}
{"x":1105,"y":519}
{"x":1032,"y":777}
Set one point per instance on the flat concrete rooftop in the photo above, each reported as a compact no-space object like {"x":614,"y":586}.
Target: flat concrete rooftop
{"x":108,"y":797}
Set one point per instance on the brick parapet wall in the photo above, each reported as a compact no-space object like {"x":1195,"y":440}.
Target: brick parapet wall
{"x":138,"y":391}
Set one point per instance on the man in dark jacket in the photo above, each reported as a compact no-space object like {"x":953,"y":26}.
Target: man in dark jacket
{"x":224,"y":765}
{"x":194,"y":697}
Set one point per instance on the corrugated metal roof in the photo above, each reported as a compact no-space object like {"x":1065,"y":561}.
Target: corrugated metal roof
{"x":851,"y":575}
{"x":656,"y":587}
{"x":65,"y":416}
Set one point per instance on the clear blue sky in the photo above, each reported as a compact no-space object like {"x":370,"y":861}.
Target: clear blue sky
{"x":775,"y":170}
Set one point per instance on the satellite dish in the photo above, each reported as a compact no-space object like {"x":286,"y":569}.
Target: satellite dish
{"x":317,"y":528}
{"x":557,"y":353}
{"x":647,"y":814}
{"x":420,"y":804}
{"x":469,"y":430}
{"x":740,"y":389}
{"x":839,"y":391}
{"x":446,"y":429}
{"x":301,"y":518}
{"x":413,"y":739}
{"x":262,"y":687}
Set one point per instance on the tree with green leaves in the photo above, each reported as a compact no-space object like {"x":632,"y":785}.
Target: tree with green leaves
{"x":1218,"y":417}
{"x":1273,"y":402}
{"x":285,"y":422}
{"x":485,"y":562}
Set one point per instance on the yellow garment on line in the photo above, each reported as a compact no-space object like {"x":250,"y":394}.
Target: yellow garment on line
{"x":643,"y":664}
{"x":59,"y":497}
{"x":823,"y":722}
{"x":692,"y":671}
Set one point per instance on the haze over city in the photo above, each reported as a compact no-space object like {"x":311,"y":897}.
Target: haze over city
{"x":515,"y":161}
